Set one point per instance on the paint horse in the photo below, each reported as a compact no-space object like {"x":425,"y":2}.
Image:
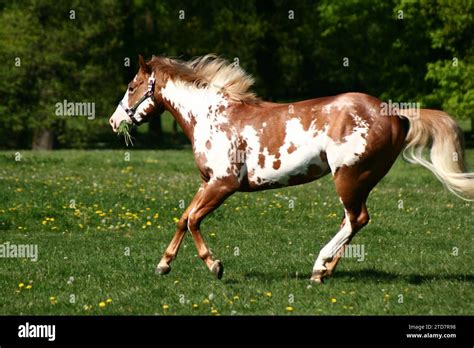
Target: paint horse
{"x":242,"y":143}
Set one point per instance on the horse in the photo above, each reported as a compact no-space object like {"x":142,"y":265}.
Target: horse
{"x":242,"y":143}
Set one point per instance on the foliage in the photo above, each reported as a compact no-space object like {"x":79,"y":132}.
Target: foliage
{"x":397,"y":49}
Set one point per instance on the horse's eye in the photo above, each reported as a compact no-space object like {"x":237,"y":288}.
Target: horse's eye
{"x":131,"y":88}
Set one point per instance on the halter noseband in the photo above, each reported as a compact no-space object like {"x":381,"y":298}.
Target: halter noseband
{"x":150,"y":93}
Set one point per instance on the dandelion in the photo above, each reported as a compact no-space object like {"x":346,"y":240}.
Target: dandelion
{"x":148,"y":223}
{"x":333,"y":300}
{"x":28,"y":287}
{"x":205,"y":301}
{"x":102,"y":304}
{"x":87,"y":307}
{"x":268,"y":294}
{"x":108,"y":301}
{"x":214,"y":312}
{"x":176,"y":220}
{"x":53,"y":300}
{"x":236,"y":297}
{"x":195,"y":306}
{"x":165,"y":307}
{"x":21,"y":285}
{"x":290,"y":309}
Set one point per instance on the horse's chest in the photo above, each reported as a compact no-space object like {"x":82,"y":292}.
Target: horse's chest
{"x":214,"y":150}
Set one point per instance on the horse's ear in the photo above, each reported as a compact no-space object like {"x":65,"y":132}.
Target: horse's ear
{"x":143,"y":65}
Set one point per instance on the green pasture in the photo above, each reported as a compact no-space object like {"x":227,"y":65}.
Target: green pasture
{"x":102,"y":219}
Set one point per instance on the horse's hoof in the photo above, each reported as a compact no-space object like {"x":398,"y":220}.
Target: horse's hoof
{"x":217,"y":269}
{"x":318,"y":277}
{"x":163,"y":269}
{"x":317,"y":280}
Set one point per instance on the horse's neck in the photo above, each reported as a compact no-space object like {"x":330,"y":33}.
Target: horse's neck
{"x":194,"y":107}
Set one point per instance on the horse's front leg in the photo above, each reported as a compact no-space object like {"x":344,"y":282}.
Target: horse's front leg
{"x":181,"y":228}
{"x":211,"y":197}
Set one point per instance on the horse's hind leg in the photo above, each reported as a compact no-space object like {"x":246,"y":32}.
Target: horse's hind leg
{"x":356,"y":218}
{"x":353,"y":185}
{"x":181,"y":228}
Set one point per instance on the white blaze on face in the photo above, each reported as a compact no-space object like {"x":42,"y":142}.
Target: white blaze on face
{"x":119,"y":114}
{"x":204,"y":105}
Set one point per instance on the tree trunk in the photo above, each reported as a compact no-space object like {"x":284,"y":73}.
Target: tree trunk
{"x":42,"y":140}
{"x":175,"y":129}
{"x":155,"y":129}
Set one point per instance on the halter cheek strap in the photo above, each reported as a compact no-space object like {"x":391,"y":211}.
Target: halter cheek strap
{"x":150,"y":93}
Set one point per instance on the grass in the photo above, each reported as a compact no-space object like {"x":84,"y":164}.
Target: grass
{"x":124,"y":130}
{"x":101,"y":224}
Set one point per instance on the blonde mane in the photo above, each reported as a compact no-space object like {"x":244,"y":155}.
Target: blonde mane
{"x":209,"y":70}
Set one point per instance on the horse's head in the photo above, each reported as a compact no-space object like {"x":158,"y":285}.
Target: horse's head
{"x":141,"y":101}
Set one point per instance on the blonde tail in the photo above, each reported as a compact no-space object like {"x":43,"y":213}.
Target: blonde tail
{"x":438,"y":129}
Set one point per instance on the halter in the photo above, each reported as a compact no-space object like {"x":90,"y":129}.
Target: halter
{"x":150,"y":93}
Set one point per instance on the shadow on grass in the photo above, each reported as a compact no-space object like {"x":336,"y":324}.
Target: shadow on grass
{"x":377,"y":276}
{"x":365,"y":275}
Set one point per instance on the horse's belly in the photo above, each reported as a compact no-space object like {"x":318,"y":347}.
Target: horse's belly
{"x":301,"y":158}
{"x":280,"y":172}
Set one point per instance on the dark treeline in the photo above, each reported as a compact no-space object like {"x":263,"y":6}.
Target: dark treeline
{"x":53,"y":52}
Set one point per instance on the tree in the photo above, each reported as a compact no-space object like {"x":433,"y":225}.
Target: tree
{"x":55,"y":52}
{"x":451,"y":31}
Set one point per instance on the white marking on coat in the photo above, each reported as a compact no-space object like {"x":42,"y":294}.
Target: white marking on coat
{"x":205,"y":106}
{"x":309,"y":144}
{"x":339,"y":103}
{"x":334,"y":245}
{"x":141,"y":110}
{"x":347,"y":152}
{"x":308,"y":148}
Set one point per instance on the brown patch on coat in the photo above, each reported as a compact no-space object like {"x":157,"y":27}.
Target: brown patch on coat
{"x":276,"y":164}
{"x":292,"y":148}
{"x":261,"y":160}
